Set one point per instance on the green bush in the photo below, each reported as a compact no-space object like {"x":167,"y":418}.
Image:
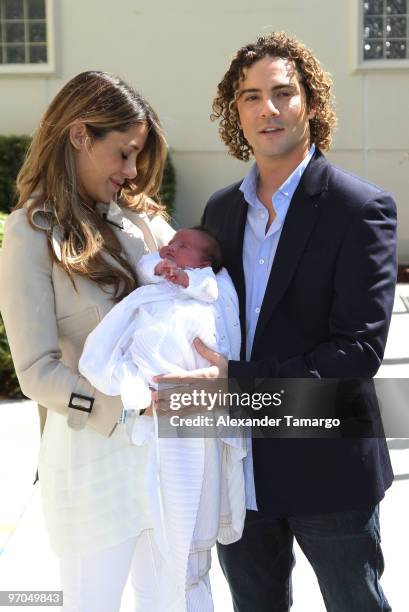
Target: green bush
{"x":9,"y":386}
{"x":12,"y":152}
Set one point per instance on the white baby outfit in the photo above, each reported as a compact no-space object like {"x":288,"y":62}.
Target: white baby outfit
{"x":195,"y":485}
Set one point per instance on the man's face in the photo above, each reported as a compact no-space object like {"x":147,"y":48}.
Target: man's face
{"x":272,"y":109}
{"x":186,"y":249}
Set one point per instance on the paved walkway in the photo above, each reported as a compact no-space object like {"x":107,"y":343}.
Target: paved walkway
{"x":26,"y":562}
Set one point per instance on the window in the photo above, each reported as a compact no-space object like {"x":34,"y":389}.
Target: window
{"x":24,"y":36}
{"x":385,"y":32}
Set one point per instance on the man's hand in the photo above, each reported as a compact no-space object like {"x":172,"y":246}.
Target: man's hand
{"x":218,"y":361}
{"x":217,"y":369}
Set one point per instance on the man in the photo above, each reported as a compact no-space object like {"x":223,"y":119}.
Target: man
{"x":311,"y":250}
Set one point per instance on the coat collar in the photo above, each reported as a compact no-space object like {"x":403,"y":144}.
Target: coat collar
{"x":126,"y":224}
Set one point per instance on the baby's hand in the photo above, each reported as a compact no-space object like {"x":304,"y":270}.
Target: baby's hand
{"x":160,"y":267}
{"x":165,"y":267}
{"x":178,"y":277}
{"x":169,"y":270}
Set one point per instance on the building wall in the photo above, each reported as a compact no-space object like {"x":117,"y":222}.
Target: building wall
{"x":176,"y":53}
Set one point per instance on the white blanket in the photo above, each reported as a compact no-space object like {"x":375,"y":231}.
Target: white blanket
{"x":151,"y":332}
{"x":195,"y":485}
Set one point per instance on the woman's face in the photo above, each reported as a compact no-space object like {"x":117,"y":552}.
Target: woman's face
{"x":104,"y":164}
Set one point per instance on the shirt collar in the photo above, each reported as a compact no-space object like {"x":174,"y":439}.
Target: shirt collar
{"x":249,"y":185}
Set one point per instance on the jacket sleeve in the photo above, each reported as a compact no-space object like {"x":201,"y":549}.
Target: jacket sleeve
{"x":28,"y":309}
{"x":363,"y":295}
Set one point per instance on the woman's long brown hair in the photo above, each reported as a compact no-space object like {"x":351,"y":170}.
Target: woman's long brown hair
{"x":104,"y":103}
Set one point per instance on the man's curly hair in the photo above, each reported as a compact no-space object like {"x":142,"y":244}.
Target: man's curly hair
{"x":316,"y":82}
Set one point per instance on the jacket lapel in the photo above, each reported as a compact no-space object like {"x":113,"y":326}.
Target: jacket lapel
{"x":299,"y":223}
{"x":233,"y":248}
{"x":127,"y":226}
{"x":233,"y":236}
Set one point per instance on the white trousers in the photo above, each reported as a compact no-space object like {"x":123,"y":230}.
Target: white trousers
{"x":95,"y":583}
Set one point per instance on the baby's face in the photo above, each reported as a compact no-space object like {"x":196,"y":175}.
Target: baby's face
{"x":187,"y":249}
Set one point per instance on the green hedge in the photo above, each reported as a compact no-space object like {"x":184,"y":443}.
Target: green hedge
{"x":9,"y":386}
{"x":12,"y":152}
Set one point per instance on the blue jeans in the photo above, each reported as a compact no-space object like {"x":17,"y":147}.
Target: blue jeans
{"x":343,"y":549}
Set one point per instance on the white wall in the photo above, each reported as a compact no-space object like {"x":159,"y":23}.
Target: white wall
{"x":176,"y":53}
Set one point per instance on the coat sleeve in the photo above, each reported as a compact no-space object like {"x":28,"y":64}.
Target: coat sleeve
{"x":363,"y":294}
{"x":27,"y":306}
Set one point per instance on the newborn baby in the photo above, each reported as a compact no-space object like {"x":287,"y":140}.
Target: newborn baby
{"x":189,"y":248}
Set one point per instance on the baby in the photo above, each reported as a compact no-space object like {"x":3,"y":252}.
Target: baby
{"x":189,"y":248}
{"x":195,"y":485}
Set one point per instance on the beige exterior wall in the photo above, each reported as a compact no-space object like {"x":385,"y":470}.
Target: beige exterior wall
{"x":176,"y":52}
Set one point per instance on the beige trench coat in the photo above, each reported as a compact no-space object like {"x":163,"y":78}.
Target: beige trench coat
{"x":47,"y":319}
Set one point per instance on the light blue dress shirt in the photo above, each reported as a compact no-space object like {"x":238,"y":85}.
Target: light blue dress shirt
{"x":259,"y":249}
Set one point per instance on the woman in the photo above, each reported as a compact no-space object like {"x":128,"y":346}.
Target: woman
{"x":83,"y":219}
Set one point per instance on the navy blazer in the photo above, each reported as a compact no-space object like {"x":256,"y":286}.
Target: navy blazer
{"x":325,"y":314}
